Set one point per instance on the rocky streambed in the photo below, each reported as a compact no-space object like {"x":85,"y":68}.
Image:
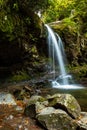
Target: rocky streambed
{"x":27,"y":106}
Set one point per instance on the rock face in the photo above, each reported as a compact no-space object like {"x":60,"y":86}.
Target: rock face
{"x":20,"y":31}
{"x":56,"y":112}
{"x":75,"y":41}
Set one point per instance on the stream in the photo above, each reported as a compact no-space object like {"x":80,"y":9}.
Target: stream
{"x":42,"y":87}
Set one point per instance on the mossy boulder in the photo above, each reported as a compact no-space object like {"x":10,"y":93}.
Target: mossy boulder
{"x":35,"y":98}
{"x":65,"y":102}
{"x":35,"y":104}
{"x":57,"y":112}
{"x":53,"y":119}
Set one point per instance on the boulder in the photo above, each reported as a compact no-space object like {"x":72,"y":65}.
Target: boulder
{"x":82,"y":122}
{"x":53,"y":119}
{"x":30,"y":111}
{"x":7,"y":98}
{"x":35,"y":99}
{"x":57,"y":112}
{"x":40,"y":106}
{"x":65,"y":102}
{"x":35,"y":105}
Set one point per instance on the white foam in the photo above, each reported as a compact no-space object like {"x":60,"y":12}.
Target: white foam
{"x":67,"y":86}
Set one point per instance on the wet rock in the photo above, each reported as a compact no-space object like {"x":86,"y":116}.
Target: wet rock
{"x":57,"y":112}
{"x":35,"y":104}
{"x":33,"y":109}
{"x":30,"y":111}
{"x":82,"y":122}
{"x":40,"y":106}
{"x":7,"y":98}
{"x":53,"y":119}
{"x":65,"y":102}
{"x":74,"y":48}
{"x":47,"y":110}
{"x":35,"y":98}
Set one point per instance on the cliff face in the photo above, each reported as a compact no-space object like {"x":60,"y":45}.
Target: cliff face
{"x":75,"y":43}
{"x":20,"y":31}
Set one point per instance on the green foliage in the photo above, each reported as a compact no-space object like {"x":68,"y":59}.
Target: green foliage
{"x":20,"y":76}
{"x":9,"y":19}
{"x":15,"y":6}
{"x":58,"y":9}
{"x":71,"y":24}
{"x":6,"y":23}
{"x":69,"y":21}
{"x":1,"y":2}
{"x":79,"y":71}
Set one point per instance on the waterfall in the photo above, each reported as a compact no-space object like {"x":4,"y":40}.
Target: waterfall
{"x":56,"y":52}
{"x":57,"y":58}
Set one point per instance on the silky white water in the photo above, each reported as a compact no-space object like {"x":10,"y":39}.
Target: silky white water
{"x":57,"y":57}
{"x":55,"y":53}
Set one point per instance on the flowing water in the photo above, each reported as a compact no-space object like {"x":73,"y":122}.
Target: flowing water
{"x":57,"y":62}
{"x":61,"y":83}
{"x":55,"y":53}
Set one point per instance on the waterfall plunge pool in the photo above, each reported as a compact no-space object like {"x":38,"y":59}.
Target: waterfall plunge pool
{"x":55,"y":84}
{"x":62,"y":84}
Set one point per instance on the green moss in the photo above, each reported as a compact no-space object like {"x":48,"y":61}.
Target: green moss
{"x":79,"y":71}
{"x":6,"y":23}
{"x":21,"y":76}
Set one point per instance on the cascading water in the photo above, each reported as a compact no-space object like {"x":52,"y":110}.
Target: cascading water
{"x":57,"y":57}
{"x":55,"y":52}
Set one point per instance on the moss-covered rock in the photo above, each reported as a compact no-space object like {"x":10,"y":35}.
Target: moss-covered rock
{"x":35,"y":104}
{"x":75,"y":44}
{"x":20,"y":31}
{"x":75,"y":41}
{"x":66,"y":102}
{"x":53,"y":119}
